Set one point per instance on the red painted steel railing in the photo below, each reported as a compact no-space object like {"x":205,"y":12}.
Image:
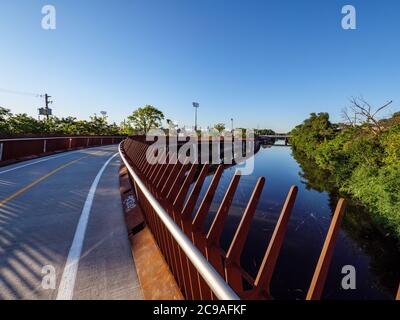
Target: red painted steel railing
{"x":398,"y":294}
{"x":14,"y":149}
{"x":170,"y":185}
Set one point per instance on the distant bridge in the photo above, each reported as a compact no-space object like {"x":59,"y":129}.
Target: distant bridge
{"x":275,"y":136}
{"x":268,"y":138}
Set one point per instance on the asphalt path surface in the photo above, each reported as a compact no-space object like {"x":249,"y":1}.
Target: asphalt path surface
{"x":62,"y":231}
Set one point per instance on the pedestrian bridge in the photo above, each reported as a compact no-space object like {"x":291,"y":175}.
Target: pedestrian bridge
{"x":276,"y":136}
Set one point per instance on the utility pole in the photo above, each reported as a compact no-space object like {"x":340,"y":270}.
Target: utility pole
{"x":47,"y":109}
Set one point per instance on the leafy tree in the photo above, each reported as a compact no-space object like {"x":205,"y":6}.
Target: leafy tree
{"x":4,"y":113}
{"x":4,"y":125}
{"x":313,"y":132}
{"x":390,"y":122}
{"x":22,"y":123}
{"x":362,"y":162}
{"x":126,"y":128}
{"x":264,"y":132}
{"x":146,"y":118}
{"x":220,"y":127}
{"x":98,"y":125}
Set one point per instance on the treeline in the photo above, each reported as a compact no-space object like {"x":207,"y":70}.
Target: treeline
{"x":362,"y":157}
{"x":23,"y":125}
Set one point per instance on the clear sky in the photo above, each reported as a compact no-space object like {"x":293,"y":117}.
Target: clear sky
{"x":263,"y":63}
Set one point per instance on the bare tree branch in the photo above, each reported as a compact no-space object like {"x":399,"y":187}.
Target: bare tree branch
{"x":362,"y":109}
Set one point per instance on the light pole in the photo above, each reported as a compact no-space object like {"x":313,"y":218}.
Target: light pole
{"x":196,"y":105}
{"x":232,"y":123}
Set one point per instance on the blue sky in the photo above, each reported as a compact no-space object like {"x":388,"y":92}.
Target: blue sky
{"x":264,"y":63}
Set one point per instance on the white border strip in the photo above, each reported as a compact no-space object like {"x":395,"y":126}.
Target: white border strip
{"x":67,"y":284}
{"x":39,"y":161}
{"x":64,"y":154}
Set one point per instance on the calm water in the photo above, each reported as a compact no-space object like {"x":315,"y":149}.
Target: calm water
{"x":376,"y":259}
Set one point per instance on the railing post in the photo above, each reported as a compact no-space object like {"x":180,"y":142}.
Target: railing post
{"x":44,"y":145}
{"x":264,"y":276}
{"x":324,"y":262}
{"x":70,"y":143}
{"x":232,"y":262}
{"x":1,"y":151}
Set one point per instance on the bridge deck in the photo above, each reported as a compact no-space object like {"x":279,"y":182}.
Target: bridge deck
{"x":43,"y":206}
{"x":275,"y":136}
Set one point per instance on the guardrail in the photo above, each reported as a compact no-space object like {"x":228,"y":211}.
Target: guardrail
{"x":203,"y":270}
{"x":169,"y":234}
{"x":398,"y":294}
{"x":14,"y":149}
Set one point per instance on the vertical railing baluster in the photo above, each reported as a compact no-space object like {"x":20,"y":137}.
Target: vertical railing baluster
{"x":199,"y":235}
{"x":232,"y":262}
{"x":171,"y":177}
{"x":214,"y":234}
{"x":186,"y":223}
{"x":177,"y":182}
{"x":264,"y":276}
{"x":177,"y":208}
{"x":324,"y":262}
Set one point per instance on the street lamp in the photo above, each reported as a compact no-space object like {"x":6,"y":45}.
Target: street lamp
{"x":196,"y":105}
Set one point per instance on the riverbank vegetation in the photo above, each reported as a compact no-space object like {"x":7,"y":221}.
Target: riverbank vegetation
{"x":361,"y":156}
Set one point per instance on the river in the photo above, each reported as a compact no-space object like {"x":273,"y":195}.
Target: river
{"x":376,"y":258}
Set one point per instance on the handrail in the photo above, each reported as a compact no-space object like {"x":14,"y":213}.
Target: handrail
{"x":57,"y":138}
{"x":216,"y":283}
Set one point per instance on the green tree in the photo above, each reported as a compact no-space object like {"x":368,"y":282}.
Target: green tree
{"x":146,"y":118}
{"x":220,"y":127}
{"x":264,"y":132}
{"x":24,"y":124}
{"x":313,"y":132}
{"x":98,"y":125}
{"x":4,"y":125}
{"x":363,"y":163}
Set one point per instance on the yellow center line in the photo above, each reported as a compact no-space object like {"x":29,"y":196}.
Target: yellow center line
{"x":3,"y":202}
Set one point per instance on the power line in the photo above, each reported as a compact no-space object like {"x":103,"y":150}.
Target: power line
{"x":21,"y":93}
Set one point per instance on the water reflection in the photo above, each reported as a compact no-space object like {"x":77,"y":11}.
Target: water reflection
{"x":376,"y":258}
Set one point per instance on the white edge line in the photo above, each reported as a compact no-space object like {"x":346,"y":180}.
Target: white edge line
{"x":67,"y":284}
{"x":39,"y":161}
{"x":46,"y":159}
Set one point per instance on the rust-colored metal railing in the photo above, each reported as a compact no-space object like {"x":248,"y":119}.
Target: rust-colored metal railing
{"x":14,"y":149}
{"x":164,"y":188}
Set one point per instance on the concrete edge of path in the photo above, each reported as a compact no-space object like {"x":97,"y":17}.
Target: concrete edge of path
{"x":155,"y":277}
